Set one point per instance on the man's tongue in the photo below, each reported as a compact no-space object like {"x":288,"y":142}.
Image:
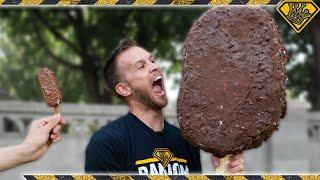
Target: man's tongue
{"x":157,"y":88}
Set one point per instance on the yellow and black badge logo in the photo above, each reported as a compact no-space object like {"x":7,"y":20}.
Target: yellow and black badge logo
{"x":164,"y":155}
{"x":298,"y":13}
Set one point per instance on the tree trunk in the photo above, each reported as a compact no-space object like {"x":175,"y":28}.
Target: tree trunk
{"x":315,"y":67}
{"x":91,"y":78}
{"x":89,"y":60}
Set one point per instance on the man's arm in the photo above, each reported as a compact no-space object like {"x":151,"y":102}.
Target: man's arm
{"x":13,"y":156}
{"x":36,"y":143}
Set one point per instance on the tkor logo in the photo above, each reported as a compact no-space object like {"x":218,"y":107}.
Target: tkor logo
{"x":298,"y":13}
{"x":164,"y":155}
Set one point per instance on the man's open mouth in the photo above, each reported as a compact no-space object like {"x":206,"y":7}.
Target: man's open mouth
{"x":157,"y":85}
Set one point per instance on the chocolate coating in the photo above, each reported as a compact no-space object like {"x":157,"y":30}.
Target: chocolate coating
{"x":49,"y":87}
{"x":232,"y":91}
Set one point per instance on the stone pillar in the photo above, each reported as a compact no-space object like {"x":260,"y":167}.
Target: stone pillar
{"x":1,"y":125}
{"x":268,"y":156}
{"x":314,"y":139}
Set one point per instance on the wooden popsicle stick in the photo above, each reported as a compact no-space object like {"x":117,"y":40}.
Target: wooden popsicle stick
{"x":222,"y":168}
{"x":56,"y":110}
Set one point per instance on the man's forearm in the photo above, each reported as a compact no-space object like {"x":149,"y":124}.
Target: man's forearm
{"x":14,"y":155}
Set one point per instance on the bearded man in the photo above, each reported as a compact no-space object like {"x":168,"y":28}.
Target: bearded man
{"x":142,"y":141}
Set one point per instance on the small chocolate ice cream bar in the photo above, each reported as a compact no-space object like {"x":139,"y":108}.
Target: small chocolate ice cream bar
{"x":49,"y":87}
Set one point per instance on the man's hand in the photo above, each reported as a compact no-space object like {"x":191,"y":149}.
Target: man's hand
{"x":42,"y":134}
{"x":235,"y":165}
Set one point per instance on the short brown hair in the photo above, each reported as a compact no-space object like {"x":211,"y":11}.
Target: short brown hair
{"x":110,"y":68}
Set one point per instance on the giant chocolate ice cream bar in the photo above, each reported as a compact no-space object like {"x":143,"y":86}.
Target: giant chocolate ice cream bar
{"x":232,"y":91}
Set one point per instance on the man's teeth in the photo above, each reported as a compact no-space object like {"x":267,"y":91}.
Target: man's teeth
{"x":157,"y":78}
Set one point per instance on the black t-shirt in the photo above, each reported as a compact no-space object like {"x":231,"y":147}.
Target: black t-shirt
{"x":128,"y":145}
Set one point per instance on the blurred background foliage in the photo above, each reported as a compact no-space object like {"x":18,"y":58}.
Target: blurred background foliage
{"x":75,"y":42}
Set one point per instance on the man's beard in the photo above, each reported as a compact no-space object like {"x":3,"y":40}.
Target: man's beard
{"x":144,"y":98}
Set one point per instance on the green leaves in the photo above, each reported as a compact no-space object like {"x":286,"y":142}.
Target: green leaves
{"x":62,"y":39}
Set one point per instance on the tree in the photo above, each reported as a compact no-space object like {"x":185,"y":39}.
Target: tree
{"x":314,"y":92}
{"x":75,"y":42}
{"x":303,"y":76}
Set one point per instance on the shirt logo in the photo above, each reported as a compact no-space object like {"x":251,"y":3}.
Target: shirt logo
{"x":164,"y":155}
{"x":298,"y":13}
{"x":163,"y":162}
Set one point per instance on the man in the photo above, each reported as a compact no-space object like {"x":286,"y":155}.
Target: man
{"x":142,"y":142}
{"x":42,"y":134}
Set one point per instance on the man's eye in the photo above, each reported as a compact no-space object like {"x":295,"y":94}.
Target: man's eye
{"x":141,"y":66}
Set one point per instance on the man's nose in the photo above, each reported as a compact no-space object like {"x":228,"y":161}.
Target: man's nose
{"x":154,"y":68}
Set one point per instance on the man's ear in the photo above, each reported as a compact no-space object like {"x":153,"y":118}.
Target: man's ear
{"x":123,"y":89}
